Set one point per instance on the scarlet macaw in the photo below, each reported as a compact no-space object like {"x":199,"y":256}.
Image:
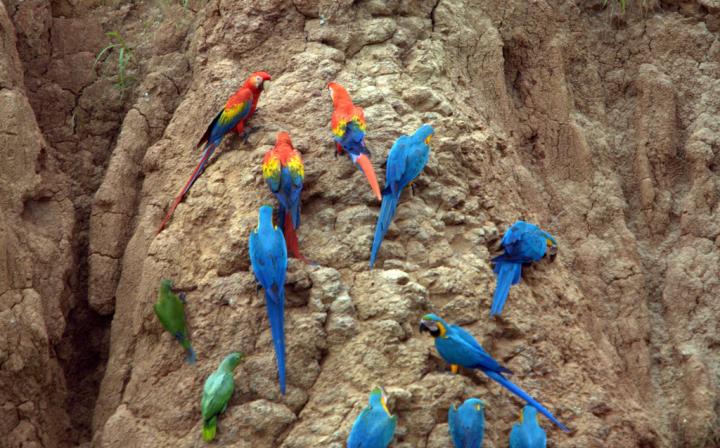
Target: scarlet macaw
{"x":238,"y":109}
{"x":284,"y":172}
{"x":348,"y":128}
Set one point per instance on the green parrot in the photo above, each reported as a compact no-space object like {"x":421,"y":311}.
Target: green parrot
{"x":216,"y":393}
{"x":170,"y":309}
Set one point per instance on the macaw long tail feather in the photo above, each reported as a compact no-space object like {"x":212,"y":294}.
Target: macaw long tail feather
{"x":282,"y":217}
{"x":509,"y":385}
{"x":291,"y":239}
{"x":508,"y":274}
{"x":365,"y":165}
{"x":209,"y":149}
{"x":209,"y":429}
{"x":190,"y":358}
{"x":387,"y":212}
{"x":276,"y":316}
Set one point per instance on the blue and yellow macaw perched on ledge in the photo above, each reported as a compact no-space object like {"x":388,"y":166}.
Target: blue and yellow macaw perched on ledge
{"x":238,"y":109}
{"x":457,"y":347}
{"x":523,"y":244}
{"x":405,"y":162}
{"x":375,"y":426}
{"x":348,"y":128}
{"x":268,"y":258}
{"x":467,"y":423}
{"x":528,"y":433}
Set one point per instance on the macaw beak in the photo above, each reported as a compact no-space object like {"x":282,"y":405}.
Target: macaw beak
{"x":552,"y":252}
{"x":430,"y":326}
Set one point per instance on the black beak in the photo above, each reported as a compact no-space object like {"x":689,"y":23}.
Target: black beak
{"x":552,"y":253}
{"x":430,"y":326}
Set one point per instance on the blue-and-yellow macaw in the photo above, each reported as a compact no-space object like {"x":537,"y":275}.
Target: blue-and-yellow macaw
{"x":375,"y":426}
{"x":457,"y":347}
{"x":523,"y":244}
{"x":405,"y":162}
{"x":284,"y":172}
{"x":348,"y":128}
{"x":528,"y":433}
{"x":268,"y":258}
{"x":467,"y":423}
{"x":238,"y":109}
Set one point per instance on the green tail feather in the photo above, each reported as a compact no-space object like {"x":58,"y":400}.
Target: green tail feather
{"x":209,"y":429}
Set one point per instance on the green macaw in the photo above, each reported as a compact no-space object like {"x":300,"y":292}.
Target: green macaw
{"x":217,"y":391}
{"x":170,"y":309}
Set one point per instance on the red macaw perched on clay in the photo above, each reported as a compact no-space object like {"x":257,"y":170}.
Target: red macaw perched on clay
{"x":283,"y":171}
{"x":348,"y":128}
{"x":238,"y":109}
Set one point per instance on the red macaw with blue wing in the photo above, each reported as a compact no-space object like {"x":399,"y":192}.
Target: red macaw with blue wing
{"x":238,"y":109}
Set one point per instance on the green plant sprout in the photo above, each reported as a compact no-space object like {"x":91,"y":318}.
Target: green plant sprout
{"x":124,"y":55}
{"x":623,"y":4}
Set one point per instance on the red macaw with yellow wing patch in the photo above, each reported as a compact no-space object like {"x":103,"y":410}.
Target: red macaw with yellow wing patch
{"x":238,"y":109}
{"x":348,"y":128}
{"x":283,"y":171}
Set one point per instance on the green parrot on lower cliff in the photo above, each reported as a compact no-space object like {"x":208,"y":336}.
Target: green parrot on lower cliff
{"x":170,"y":310}
{"x":217,"y":392}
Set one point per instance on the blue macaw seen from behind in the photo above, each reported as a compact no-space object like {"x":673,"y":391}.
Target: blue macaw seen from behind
{"x":406,"y":160}
{"x":375,"y":426}
{"x":268,"y":258}
{"x":457,"y":347}
{"x":528,"y":433}
{"x":466,"y":424}
{"x":523,"y":244}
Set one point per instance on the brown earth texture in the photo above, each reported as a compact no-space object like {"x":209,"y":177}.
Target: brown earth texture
{"x":600,"y":125}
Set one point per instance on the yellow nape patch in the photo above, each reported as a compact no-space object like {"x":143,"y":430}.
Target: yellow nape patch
{"x":550,"y":243}
{"x":521,"y":416}
{"x":427,"y":140}
{"x":442,"y":329}
{"x":384,"y":405}
{"x":478,"y":407}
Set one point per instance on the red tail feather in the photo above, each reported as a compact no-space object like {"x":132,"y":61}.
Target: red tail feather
{"x":291,"y":240}
{"x":186,"y":188}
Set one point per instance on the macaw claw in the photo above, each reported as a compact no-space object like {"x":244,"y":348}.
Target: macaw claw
{"x":454,"y":368}
{"x":247,"y":132}
{"x":182,"y":297}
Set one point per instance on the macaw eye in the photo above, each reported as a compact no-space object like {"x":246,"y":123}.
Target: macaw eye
{"x":258,"y":80}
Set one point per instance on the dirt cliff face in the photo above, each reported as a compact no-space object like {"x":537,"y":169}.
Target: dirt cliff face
{"x":599,"y":126}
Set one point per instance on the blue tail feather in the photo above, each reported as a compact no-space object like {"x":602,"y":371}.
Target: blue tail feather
{"x":190,"y":358}
{"x":281,"y":217}
{"x":387,"y":212}
{"x":296,"y":213}
{"x":509,"y":385}
{"x":276,"y":316}
{"x":508,"y":274}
